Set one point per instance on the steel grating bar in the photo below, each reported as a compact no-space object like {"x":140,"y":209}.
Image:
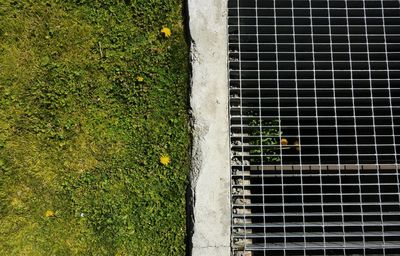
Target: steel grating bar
{"x":315,"y":126}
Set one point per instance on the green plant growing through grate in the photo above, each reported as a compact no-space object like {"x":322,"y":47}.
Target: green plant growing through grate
{"x":266,"y":141}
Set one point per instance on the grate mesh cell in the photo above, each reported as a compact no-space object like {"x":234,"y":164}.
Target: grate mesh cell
{"x":315,"y":126}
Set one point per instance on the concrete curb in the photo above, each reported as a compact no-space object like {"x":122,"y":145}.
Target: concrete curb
{"x":210,"y":174}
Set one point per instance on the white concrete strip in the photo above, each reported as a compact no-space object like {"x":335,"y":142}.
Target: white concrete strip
{"x":210,"y":175}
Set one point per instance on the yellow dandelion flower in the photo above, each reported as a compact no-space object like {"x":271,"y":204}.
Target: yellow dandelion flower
{"x":166,"y":32}
{"x":284,"y":141}
{"x":139,"y":79}
{"x":49,"y":213}
{"x":297,"y":145}
{"x":165,"y":160}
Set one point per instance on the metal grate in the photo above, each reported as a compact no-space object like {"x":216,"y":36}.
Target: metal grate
{"x":315,"y":126}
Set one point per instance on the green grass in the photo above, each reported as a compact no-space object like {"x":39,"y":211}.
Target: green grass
{"x":80,"y":136}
